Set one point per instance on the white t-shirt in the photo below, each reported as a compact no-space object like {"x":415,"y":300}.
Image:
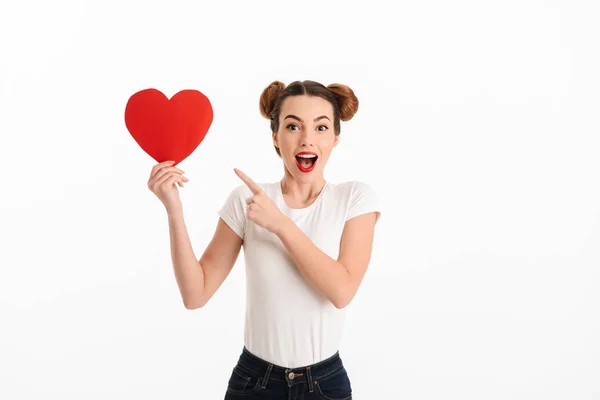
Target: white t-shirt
{"x":288,"y":321}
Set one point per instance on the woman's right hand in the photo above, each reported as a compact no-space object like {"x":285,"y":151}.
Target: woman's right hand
{"x":162,"y":183}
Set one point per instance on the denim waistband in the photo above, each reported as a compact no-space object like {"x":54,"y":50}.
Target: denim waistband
{"x":271,"y":371}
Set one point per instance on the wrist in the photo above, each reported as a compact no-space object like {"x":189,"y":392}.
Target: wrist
{"x":174,"y":212}
{"x":282,"y":226}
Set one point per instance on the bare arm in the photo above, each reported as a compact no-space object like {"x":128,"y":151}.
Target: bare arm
{"x":339,"y":279}
{"x":198,"y":280}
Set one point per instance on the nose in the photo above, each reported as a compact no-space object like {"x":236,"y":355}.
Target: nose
{"x":306,"y":139}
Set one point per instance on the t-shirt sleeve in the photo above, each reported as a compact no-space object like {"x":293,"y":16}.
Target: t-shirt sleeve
{"x":363,"y":200}
{"x":233,"y":211}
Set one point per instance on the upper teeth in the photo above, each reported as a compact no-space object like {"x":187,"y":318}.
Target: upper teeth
{"x":307,"y":155}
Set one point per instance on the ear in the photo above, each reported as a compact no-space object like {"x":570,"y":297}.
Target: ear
{"x":336,"y":139}
{"x":275,"y":141}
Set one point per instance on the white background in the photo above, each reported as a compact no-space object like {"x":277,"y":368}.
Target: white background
{"x":478,"y":127}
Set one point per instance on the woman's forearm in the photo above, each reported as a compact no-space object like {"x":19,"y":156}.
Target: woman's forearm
{"x":328,"y":275}
{"x":188,"y":272}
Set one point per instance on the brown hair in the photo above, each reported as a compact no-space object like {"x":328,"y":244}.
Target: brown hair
{"x":341,"y":97}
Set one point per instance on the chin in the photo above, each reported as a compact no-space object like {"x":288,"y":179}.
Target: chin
{"x":304,"y":174}
{"x":306,"y":178}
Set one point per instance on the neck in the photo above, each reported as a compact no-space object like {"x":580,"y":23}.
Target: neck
{"x":301,"y":191}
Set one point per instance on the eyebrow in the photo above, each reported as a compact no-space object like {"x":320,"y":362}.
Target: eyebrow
{"x":299,"y":119}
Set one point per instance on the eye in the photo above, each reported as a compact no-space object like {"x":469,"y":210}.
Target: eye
{"x":322,"y":126}
{"x":290,"y":126}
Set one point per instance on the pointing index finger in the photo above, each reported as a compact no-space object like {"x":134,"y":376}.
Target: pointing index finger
{"x":249,"y":182}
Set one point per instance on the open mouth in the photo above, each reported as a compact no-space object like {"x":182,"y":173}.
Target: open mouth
{"x":306,"y":161}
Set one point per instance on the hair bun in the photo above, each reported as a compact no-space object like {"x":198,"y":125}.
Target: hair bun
{"x":268,"y":97}
{"x":347,"y":98}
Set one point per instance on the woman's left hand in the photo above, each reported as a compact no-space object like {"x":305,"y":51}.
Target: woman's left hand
{"x":260,"y":208}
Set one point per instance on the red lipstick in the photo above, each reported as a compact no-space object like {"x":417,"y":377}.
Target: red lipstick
{"x":306,"y":164}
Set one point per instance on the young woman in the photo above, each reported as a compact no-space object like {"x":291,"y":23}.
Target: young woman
{"x":307,"y":244}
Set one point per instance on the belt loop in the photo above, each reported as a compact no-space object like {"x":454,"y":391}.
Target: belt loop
{"x":266,"y":378}
{"x":309,"y":379}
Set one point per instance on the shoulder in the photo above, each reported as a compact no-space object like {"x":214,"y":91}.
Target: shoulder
{"x":359,"y":197}
{"x":243,"y":192}
{"x":239,"y":192}
{"x":353,"y":188}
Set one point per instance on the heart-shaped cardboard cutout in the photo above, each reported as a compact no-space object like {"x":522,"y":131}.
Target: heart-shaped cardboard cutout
{"x":168,"y":129}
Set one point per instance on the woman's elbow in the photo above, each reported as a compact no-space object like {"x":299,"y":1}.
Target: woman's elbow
{"x":193,"y":304}
{"x":342,"y":301}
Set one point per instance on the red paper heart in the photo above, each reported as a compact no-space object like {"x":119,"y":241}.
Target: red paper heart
{"x":168,"y":129}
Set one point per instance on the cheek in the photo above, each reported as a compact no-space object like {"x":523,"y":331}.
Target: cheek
{"x":328,"y":143}
{"x":285,"y":143}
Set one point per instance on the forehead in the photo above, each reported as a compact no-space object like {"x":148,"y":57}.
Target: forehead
{"x":306,"y":107}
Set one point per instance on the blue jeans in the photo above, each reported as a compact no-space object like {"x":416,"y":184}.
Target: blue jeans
{"x":254,"y":378}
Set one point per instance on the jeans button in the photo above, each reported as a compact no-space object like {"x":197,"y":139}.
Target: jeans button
{"x":291,"y":375}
